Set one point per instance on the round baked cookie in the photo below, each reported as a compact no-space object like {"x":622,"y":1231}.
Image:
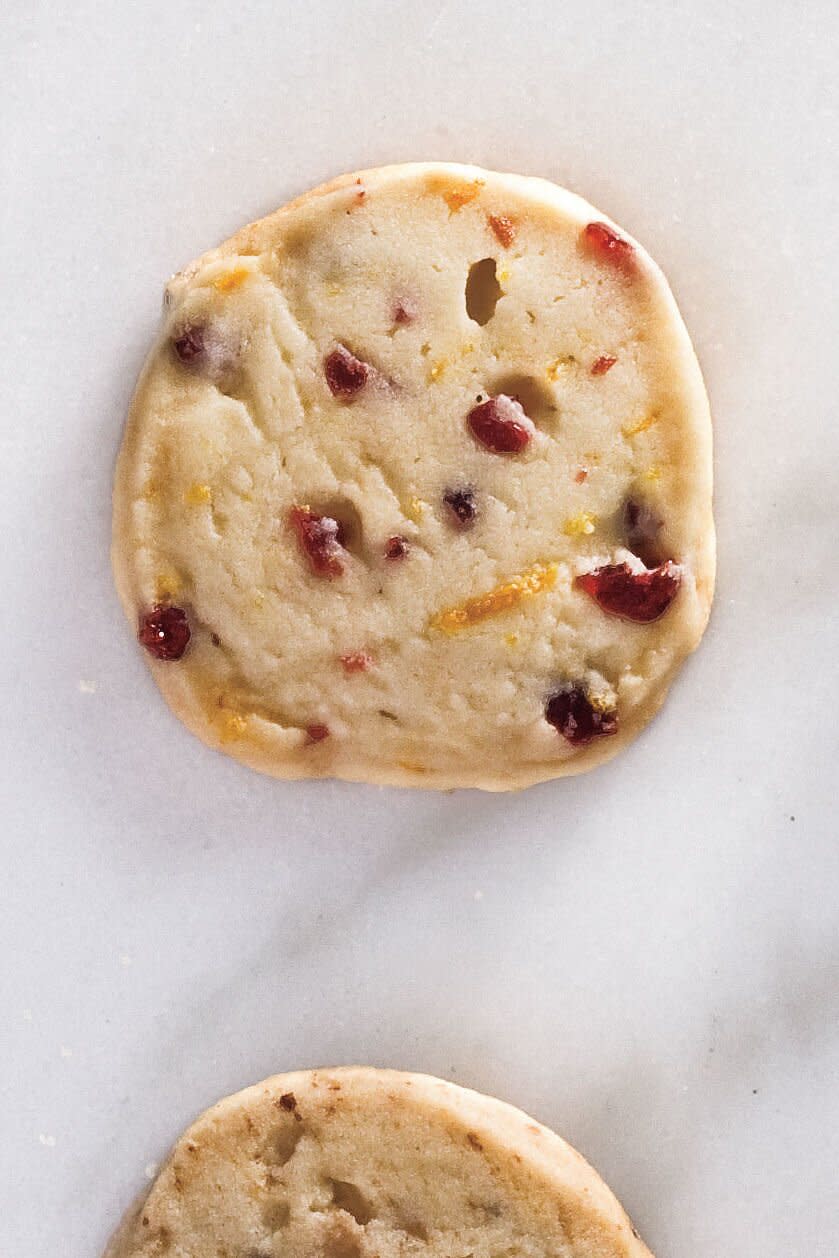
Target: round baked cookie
{"x":416,"y":485}
{"x":362,"y":1163}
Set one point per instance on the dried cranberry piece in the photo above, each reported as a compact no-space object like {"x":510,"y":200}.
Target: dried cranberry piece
{"x":345,"y":374}
{"x":206,"y":348}
{"x":404,"y":310}
{"x":356,"y":661}
{"x":396,"y":548}
{"x":501,"y":425}
{"x":503,"y":228}
{"x":641,"y":527}
{"x":190,"y":343}
{"x":605,"y":243}
{"x":602,"y":364}
{"x":164,"y":632}
{"x":461,"y":503}
{"x":638,"y":596}
{"x":316,"y":733}
{"x":572,"y":713}
{"x":321,"y":539}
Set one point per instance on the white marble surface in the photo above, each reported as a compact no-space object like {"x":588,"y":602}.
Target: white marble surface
{"x":648,"y":958}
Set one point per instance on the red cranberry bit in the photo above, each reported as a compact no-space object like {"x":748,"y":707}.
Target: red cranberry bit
{"x":608,"y":246}
{"x":641,"y":527}
{"x":461,"y":503}
{"x":206,"y":348}
{"x":189,"y":344}
{"x":345,"y":374}
{"x":164,"y":632}
{"x":501,"y":425}
{"x":356,"y":662}
{"x":396,"y":548}
{"x":321,"y":539}
{"x":572,"y":713}
{"x":638,"y":596}
{"x":582,"y":475}
{"x":404,"y":310}
{"x":503,"y":228}
{"x":602,"y":364}
{"x":316,"y":733}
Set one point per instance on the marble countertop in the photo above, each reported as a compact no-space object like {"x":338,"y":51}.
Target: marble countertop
{"x":647,"y":958}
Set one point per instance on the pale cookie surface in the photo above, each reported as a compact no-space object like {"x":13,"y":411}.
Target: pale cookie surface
{"x":362,"y":1163}
{"x":416,"y":486}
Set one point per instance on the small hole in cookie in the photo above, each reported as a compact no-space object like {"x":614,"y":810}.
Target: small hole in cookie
{"x":340,"y":1243}
{"x":483,"y":292}
{"x":220,"y":518}
{"x":160,"y":1238}
{"x":535,"y":397}
{"x":275,"y":1215}
{"x":349,"y":1197}
{"x":639,"y":527}
{"x":349,"y":518}
{"x":283,"y":1142}
{"x":407,"y":1222}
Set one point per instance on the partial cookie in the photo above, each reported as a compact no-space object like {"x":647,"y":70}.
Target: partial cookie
{"x":360,"y":1163}
{"x":416,"y":486}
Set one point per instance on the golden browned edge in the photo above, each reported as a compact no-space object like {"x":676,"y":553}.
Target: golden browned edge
{"x":505,"y":1134}
{"x":256,"y":237}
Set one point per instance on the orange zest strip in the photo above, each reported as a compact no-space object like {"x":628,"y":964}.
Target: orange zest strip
{"x":458,"y":197}
{"x":228,"y":280}
{"x":502,"y":599}
{"x":641,"y":425}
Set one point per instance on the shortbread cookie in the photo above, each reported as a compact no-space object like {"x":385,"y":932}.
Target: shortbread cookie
{"x":416,"y":486}
{"x":360,"y":1163}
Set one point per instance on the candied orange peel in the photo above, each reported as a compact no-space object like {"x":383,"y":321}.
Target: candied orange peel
{"x":580,"y":525}
{"x":536,"y":579}
{"x":230,"y":280}
{"x":196,"y":495}
{"x":560,"y":366}
{"x":456,"y":198}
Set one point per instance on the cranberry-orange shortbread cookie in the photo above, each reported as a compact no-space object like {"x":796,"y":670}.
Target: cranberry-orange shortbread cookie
{"x":362,"y":1163}
{"x":416,"y":485}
